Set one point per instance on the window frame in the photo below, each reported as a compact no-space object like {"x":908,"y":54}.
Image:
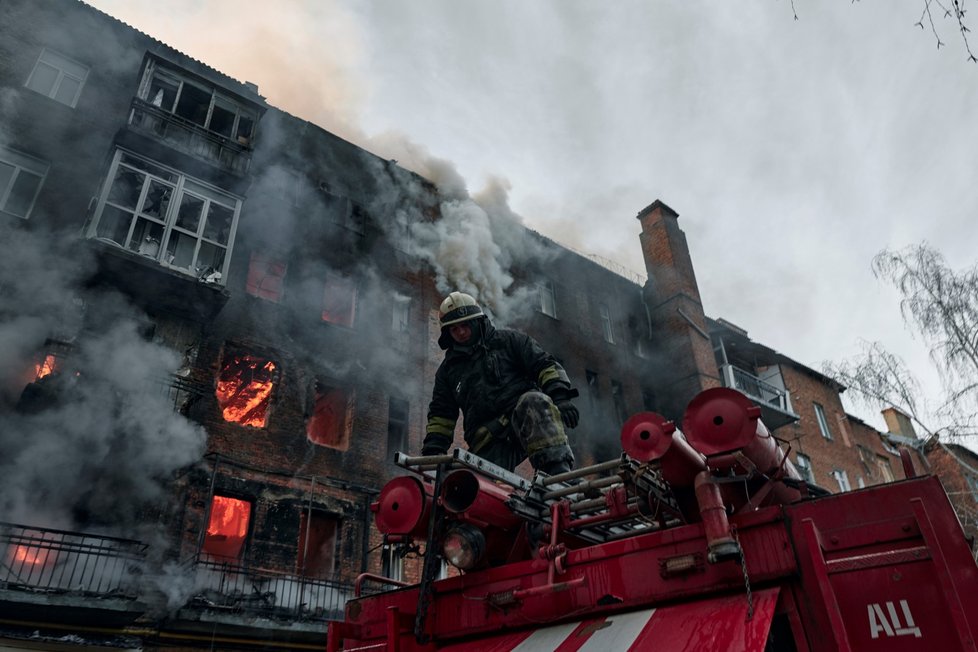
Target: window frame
{"x":547,"y":295}
{"x":21,"y":163}
{"x":182,"y":185}
{"x":334,"y":393}
{"x":842,"y":479}
{"x":823,"y":423}
{"x":397,"y":427}
{"x":59,"y":78}
{"x":618,"y":400}
{"x":607,"y":328}
{"x":804,"y":465}
{"x":336,"y":281}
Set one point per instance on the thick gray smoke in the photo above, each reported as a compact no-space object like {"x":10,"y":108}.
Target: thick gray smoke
{"x":93,"y":442}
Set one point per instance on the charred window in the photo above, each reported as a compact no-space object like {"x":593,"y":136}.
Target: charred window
{"x":58,"y":77}
{"x":198,"y":103}
{"x":166,"y":216}
{"x":265,"y":277}
{"x":397,"y":426}
{"x":244,"y":387}
{"x":593,"y":394}
{"x":227,"y":528}
{"x":331,"y":420}
{"x":618,"y":397}
{"x":319,"y":535}
{"x":339,"y":300}
{"x":21,"y":177}
{"x":648,"y":400}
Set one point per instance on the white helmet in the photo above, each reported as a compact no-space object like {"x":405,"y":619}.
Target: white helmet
{"x":458,"y":307}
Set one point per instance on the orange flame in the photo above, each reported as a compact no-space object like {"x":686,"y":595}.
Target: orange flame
{"x":30,"y":555}
{"x":228,"y":527}
{"x":45,"y":368}
{"x":244,"y":389}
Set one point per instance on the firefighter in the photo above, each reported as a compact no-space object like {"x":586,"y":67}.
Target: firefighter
{"x":515,"y":398}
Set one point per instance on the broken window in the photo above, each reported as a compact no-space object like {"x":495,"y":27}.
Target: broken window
{"x":332,"y":416}
{"x":319,"y":535}
{"x":548,"y":304}
{"x":265,"y":277}
{"x":339,"y":300}
{"x":21,"y":177}
{"x":593,"y":395}
{"x":227,"y":528}
{"x":198,"y":103}
{"x":244,"y":388}
{"x":167,"y":216}
{"x":58,"y":77}
{"x":397,"y":426}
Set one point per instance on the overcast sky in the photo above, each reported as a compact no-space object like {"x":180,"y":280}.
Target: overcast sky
{"x":792,"y":150}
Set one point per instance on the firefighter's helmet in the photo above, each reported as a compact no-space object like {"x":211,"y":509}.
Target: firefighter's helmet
{"x":458,"y":307}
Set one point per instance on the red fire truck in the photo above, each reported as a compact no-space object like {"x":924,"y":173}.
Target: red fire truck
{"x":706,"y":539}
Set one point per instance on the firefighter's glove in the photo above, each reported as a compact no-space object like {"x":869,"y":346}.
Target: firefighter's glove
{"x":435,"y":445}
{"x":568,"y":413}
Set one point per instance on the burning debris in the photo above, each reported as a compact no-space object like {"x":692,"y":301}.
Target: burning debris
{"x":244,"y":389}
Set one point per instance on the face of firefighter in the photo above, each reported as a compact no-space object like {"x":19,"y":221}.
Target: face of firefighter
{"x":461,"y":332}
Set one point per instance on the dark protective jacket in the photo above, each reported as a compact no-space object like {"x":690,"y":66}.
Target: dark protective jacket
{"x":484,"y":380}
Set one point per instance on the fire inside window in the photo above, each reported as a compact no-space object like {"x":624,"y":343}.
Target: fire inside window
{"x":319,"y":533}
{"x":339,"y":300}
{"x":227,"y":528}
{"x":244,"y":388}
{"x":332,"y":417}
{"x":265,"y":277}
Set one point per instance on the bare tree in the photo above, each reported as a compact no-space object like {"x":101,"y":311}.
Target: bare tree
{"x":941,"y":306}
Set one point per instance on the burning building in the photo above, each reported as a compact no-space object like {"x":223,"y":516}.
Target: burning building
{"x":219,"y":325}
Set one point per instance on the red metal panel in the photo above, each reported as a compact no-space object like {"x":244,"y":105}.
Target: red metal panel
{"x":713,"y":624}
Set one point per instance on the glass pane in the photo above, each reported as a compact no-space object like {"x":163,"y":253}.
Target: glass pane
{"x":146,"y":238}
{"x":222,"y":117}
{"x":157,"y":201}
{"x":162,"y":93}
{"x":43,"y":78}
{"x":63,"y":63}
{"x":193,"y":104}
{"x":155,"y":170}
{"x":22,"y":194}
{"x":218,"y":225}
{"x":125,"y":188}
{"x":114,"y":225}
{"x":180,"y":251}
{"x":190,"y":211}
{"x":6,"y":174}
{"x":67,"y":90}
{"x":210,"y":258}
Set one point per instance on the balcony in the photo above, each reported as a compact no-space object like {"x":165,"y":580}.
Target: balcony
{"x":775,"y":403}
{"x":189,"y":137}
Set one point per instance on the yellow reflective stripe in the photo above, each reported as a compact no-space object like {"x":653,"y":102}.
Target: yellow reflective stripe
{"x":558,"y":438}
{"x":441,"y":426}
{"x":547,"y":375}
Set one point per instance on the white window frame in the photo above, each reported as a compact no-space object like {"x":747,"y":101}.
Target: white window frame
{"x":154,"y":71}
{"x":548,"y":298}
{"x":823,"y":424}
{"x":842,"y":479}
{"x":181,"y":186}
{"x":393,"y":561}
{"x":66,"y":67}
{"x":607,"y":329}
{"x":804,"y":464}
{"x":23,"y":164}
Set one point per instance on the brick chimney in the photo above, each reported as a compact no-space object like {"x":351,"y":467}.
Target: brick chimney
{"x":681,"y":341}
{"x":898,"y":423}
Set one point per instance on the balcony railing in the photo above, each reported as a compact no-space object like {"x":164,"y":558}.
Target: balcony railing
{"x":181,"y":392}
{"x":756,"y":388}
{"x":238,"y":588}
{"x":189,"y":137}
{"x":69,"y":562}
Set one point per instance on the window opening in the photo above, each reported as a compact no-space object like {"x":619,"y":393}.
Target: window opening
{"x":227,"y":528}
{"x":842,"y":479}
{"x":265,"y":277}
{"x":823,"y":424}
{"x":592,"y":389}
{"x":885,"y":469}
{"x":167,"y":216}
{"x":548,"y":302}
{"x":397,"y":426}
{"x":618,"y":397}
{"x":58,"y":77}
{"x":606,"y":328}
{"x":804,"y":465}
{"x":21,"y":177}
{"x":319,"y":534}
{"x":392,"y":563}
{"x":400,"y":313}
{"x":648,"y":400}
{"x":244,"y":388}
{"x":332,"y":417}
{"x":339,"y":300}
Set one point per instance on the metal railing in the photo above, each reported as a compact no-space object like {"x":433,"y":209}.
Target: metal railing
{"x":69,"y":562}
{"x":180,"y":392}
{"x":755,"y":388}
{"x":189,"y":137}
{"x":244,"y":589}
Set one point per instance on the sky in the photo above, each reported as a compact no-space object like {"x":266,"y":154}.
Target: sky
{"x":792,"y":149}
